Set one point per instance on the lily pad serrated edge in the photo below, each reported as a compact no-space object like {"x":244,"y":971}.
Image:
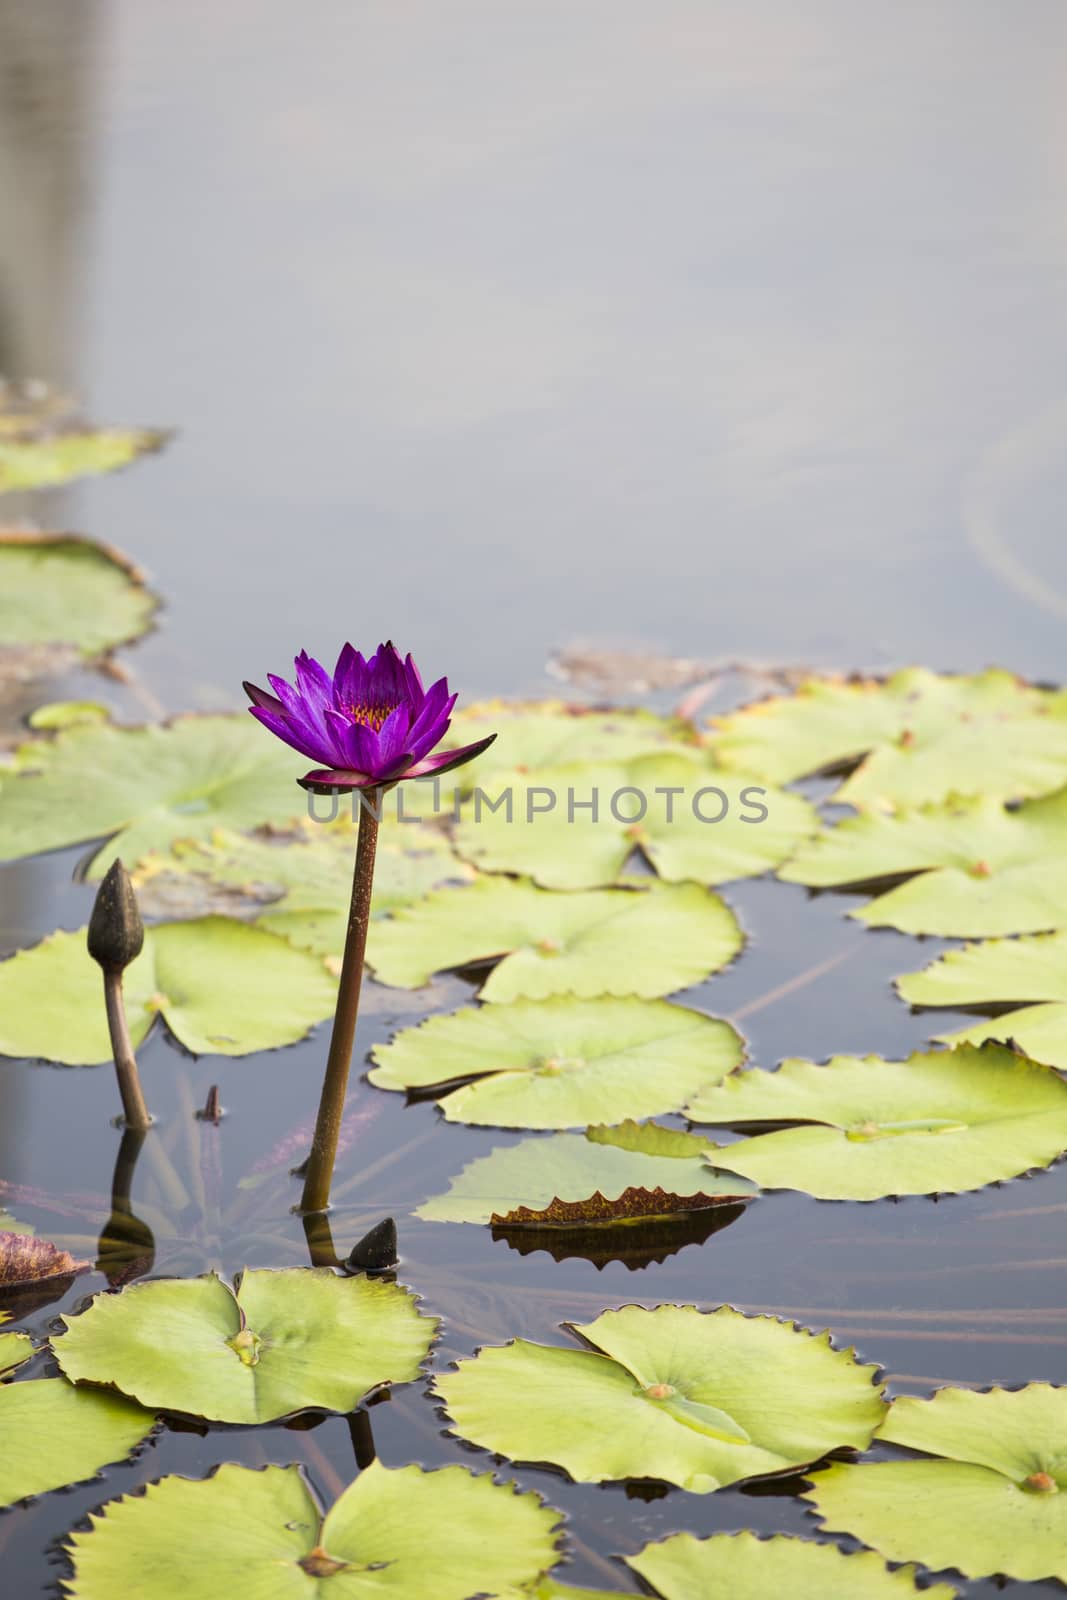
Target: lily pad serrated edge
{"x":879,"y":1377}
{"x":154,"y":1428}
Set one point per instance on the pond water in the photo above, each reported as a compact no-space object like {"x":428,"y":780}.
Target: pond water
{"x":734,"y":332}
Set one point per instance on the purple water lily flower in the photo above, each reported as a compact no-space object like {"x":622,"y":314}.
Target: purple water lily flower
{"x":372,"y":723}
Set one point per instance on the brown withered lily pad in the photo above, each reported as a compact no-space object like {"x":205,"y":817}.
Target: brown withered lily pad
{"x":633,"y":1205}
{"x":34,"y":1272}
{"x":634,"y":1242}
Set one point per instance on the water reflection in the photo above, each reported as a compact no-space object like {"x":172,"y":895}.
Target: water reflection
{"x":127,"y":1247}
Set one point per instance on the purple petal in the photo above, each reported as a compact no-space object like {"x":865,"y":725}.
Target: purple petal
{"x":349,"y":679}
{"x":304,"y":717}
{"x":291,"y":699}
{"x":299,"y":738}
{"x":323,"y":779}
{"x":395,"y":770}
{"x":354,"y":745}
{"x":445,"y":760}
{"x":392,"y":739}
{"x":414,"y":677}
{"x":313,"y":681}
{"x":313,"y":697}
{"x":433,"y":735}
{"x":260,"y":697}
{"x":387,"y":681}
{"x":435,"y":710}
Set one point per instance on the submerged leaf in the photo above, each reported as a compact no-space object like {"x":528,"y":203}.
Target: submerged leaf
{"x":742,"y":1566}
{"x":996,"y":1505}
{"x":914,"y":737}
{"x":396,"y":1533}
{"x":221,"y":987}
{"x":939,"y":1123}
{"x":698,"y":1399}
{"x":57,"y":589}
{"x":26,"y":1260}
{"x":974,"y":868}
{"x":648,"y":942}
{"x":43,"y":442}
{"x":620,"y":671}
{"x":287,"y":1340}
{"x":296,"y":881}
{"x":691,"y":822}
{"x":651,"y":1139}
{"x":560,"y":1063}
{"x":55,"y":1434}
{"x":571,"y":1167}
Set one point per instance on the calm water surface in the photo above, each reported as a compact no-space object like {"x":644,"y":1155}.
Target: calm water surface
{"x":728,"y":331}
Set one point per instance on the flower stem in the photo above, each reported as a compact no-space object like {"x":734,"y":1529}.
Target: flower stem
{"x":319,"y":1236}
{"x":319,"y":1174}
{"x":134,"y":1109}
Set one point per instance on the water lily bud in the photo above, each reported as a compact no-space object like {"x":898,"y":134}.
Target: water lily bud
{"x":377,"y":1250}
{"x":116,"y":932}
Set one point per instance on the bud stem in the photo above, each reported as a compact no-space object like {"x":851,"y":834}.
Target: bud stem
{"x":134,"y":1110}
{"x":319,"y":1173}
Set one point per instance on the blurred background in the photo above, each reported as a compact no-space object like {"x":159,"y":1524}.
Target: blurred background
{"x":725,"y":330}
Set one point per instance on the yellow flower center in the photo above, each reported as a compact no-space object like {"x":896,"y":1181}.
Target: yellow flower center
{"x":369,"y":716}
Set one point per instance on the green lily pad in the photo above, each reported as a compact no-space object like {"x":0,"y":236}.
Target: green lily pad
{"x":15,"y":1348}
{"x":67,"y":714}
{"x":551,"y":733}
{"x":284,"y":1342}
{"x":939,"y":1123}
{"x":296,"y":882}
{"x":221,"y":987}
{"x":647,"y":942}
{"x":57,"y":589}
{"x":549,"y":1589}
{"x":55,"y":1434}
{"x":694,"y":1398}
{"x":576,"y":1166}
{"x":915,"y":737}
{"x":993,"y":1506}
{"x":709,"y":828}
{"x":995,"y":973}
{"x":397,"y":1534}
{"x":974,"y":869}
{"x":146,"y":787}
{"x":741,"y":1566}
{"x":43,"y":443}
{"x":560,"y":1063}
